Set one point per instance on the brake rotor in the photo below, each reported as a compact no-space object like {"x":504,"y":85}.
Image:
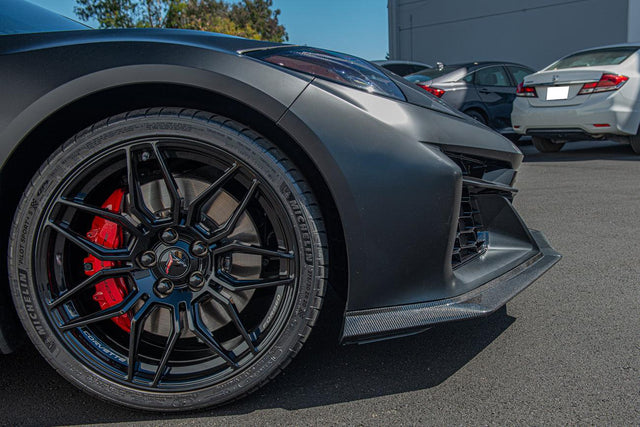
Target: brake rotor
{"x":157,"y":198}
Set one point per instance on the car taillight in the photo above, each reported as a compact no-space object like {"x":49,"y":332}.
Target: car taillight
{"x":607,"y":82}
{"x":523,"y":90}
{"x":433,"y":90}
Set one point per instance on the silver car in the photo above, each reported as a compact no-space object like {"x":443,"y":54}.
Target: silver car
{"x":591,"y":94}
{"x":402,"y":68}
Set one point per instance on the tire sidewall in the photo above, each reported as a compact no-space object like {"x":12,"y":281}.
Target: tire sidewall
{"x":250,"y":149}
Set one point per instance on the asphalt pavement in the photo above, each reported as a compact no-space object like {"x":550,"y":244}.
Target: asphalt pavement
{"x":565,"y":351}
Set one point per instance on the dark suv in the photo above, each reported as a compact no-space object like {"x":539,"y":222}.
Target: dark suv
{"x":483,"y":90}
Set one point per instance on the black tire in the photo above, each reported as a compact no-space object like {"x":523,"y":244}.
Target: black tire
{"x":513,"y":137}
{"x":545,"y":145}
{"x":477,"y":116}
{"x":634,"y":141}
{"x":280,"y":186}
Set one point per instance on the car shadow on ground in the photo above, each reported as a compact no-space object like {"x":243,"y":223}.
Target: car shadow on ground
{"x":581,"y":151}
{"x":323,"y":373}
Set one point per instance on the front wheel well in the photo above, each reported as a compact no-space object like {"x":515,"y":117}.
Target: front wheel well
{"x":41,"y":142}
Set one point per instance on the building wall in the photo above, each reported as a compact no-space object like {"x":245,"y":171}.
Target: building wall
{"x":531,"y":32}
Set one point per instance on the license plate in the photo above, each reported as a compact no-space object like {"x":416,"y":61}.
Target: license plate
{"x":557,"y":92}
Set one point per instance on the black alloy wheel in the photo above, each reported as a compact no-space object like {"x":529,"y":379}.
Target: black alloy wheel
{"x":168,"y":259}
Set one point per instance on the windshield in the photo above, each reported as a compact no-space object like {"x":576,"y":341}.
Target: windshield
{"x":431,"y":73}
{"x":592,"y":58}
{"x":20,"y":17}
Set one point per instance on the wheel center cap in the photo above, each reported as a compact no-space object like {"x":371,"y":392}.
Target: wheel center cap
{"x":174,"y":263}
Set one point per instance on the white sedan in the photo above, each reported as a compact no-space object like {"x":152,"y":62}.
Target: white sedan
{"x":591,"y":94}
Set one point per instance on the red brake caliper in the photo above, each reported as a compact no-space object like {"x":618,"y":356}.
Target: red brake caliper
{"x":108,"y":234}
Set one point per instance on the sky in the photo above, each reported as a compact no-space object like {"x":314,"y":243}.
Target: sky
{"x":358,"y":27}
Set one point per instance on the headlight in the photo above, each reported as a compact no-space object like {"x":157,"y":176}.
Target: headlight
{"x":334,"y":66}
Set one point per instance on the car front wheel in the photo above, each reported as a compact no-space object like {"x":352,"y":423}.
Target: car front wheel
{"x":168,"y":260}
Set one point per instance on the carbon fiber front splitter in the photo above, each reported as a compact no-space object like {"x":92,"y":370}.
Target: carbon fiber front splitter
{"x":387,"y":322}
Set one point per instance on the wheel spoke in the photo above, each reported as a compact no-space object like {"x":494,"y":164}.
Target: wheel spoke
{"x":113,"y":311}
{"x":137,"y":323}
{"x":230,"y":224}
{"x":232,"y":311}
{"x":172,"y":186}
{"x":103,"y":254}
{"x":103,"y":213}
{"x":136,"y":202}
{"x":101,"y":275}
{"x":176,"y":328}
{"x":195,"y":206}
{"x":226,"y":281}
{"x":198,"y":327}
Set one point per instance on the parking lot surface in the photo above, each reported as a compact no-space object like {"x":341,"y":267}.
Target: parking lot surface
{"x":565,"y":351}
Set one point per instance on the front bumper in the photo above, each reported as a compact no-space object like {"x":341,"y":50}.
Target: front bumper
{"x":380,"y":323}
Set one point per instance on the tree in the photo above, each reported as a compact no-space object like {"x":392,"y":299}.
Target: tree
{"x":252,"y":18}
{"x":207,"y":15}
{"x":108,"y":13}
{"x":258,"y":14}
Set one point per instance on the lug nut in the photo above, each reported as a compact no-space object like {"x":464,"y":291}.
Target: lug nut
{"x":196,"y":281}
{"x":148,"y":259}
{"x":169,"y":236}
{"x":199,"y":249}
{"x":163,"y":287}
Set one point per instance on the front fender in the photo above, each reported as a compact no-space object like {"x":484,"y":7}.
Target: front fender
{"x":67,"y":79}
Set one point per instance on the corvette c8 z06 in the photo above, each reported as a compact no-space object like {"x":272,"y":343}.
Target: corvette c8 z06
{"x":175,"y":203}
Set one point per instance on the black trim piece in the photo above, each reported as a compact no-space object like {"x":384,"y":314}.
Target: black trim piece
{"x":380,"y":323}
{"x":564,"y":134}
{"x":489,"y":185}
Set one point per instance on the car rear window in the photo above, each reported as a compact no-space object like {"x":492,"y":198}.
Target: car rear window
{"x":593,"y":58}
{"x":519,"y":73}
{"x":430,"y":74}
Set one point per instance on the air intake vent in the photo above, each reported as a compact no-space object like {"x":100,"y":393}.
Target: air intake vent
{"x":471,"y":239}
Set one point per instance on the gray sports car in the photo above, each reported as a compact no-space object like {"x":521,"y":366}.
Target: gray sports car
{"x":175,"y":204}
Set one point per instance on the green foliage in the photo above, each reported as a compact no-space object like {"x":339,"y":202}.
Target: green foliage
{"x":258,"y":14}
{"x":251,"y":18}
{"x":108,"y":13}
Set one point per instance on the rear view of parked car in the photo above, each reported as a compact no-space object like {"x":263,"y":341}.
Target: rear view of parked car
{"x":482,"y":90}
{"x":402,"y":68}
{"x":591,"y":94}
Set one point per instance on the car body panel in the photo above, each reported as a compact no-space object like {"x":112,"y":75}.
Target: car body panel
{"x":384,"y":161}
{"x":373,"y":181}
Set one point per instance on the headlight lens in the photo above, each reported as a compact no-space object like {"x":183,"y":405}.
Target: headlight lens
{"x":334,"y":66}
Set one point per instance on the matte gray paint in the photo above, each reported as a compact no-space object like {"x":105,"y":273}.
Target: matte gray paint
{"x":397,"y":194}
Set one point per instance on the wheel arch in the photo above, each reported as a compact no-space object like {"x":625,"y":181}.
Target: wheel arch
{"x":41,"y":141}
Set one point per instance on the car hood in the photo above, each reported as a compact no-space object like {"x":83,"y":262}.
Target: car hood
{"x":202,"y":39}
